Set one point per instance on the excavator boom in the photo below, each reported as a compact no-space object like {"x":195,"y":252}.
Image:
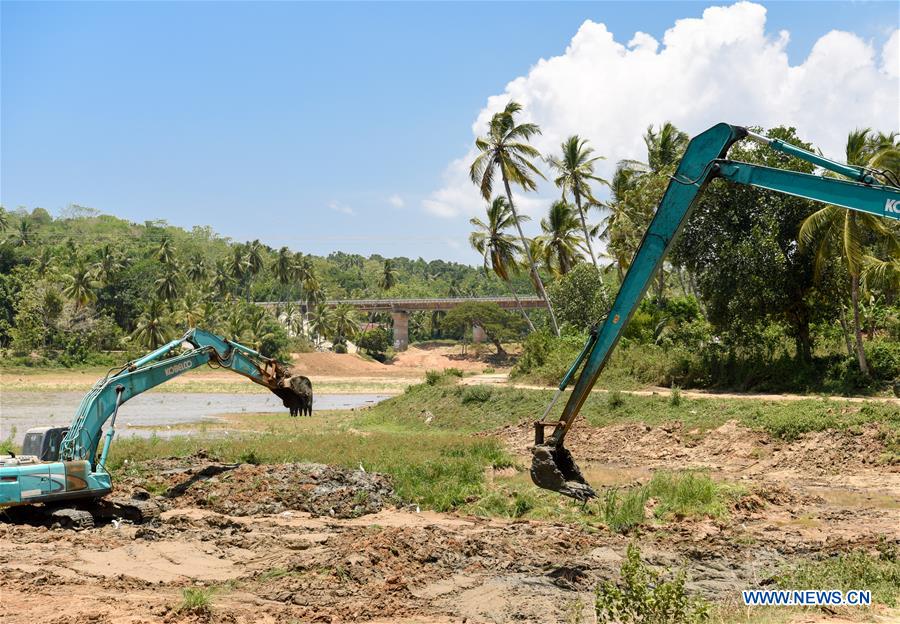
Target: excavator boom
{"x":704,"y":159}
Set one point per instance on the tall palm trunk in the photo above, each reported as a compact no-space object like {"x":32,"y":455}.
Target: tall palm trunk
{"x":860,"y":352}
{"x":534,"y":272}
{"x":587,"y":235}
{"x":845,"y":332}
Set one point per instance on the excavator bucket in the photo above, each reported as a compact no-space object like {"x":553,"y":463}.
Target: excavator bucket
{"x":296,"y":394}
{"x":553,"y":468}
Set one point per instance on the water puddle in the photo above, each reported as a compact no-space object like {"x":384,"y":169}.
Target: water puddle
{"x":19,"y":411}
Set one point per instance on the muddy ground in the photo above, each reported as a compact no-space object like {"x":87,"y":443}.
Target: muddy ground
{"x":309,"y":543}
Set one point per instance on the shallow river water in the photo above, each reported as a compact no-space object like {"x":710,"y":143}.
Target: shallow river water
{"x":19,"y":411}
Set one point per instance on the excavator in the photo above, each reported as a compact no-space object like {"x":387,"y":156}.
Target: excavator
{"x":59,"y":472}
{"x":705,"y":159}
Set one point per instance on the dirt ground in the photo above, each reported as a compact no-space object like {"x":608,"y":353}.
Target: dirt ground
{"x":310,"y":543}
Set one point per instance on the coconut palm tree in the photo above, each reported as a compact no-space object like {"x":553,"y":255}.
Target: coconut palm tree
{"x":321,"y":322}
{"x":664,"y":146}
{"x":4,"y":219}
{"x":255,"y":261}
{"x":388,"y":277}
{"x":190,"y":311}
{"x":560,"y":243}
{"x":108,"y":265}
{"x":151,"y":330}
{"x":81,"y":284}
{"x":283,"y":270}
{"x":24,"y":235}
{"x":345,"y":325}
{"x":833,"y":231}
{"x":165,"y":253}
{"x":498,"y":248}
{"x":505,"y":147}
{"x":168,"y":285}
{"x":237,"y":266}
{"x":197,"y":269}
{"x":576,"y":172}
{"x":222,"y":281}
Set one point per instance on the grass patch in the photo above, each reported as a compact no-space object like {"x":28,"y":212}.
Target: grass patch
{"x":196,"y":599}
{"x":690,"y":494}
{"x":464,"y":409}
{"x":879,"y":573}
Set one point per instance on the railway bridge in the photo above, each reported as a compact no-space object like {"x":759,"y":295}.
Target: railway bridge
{"x":400,"y":309}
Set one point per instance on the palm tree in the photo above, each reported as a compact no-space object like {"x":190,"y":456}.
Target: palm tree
{"x":237,"y":265}
{"x":23,"y":233}
{"x":222,"y":280}
{"x":168,"y":286}
{"x":151,"y":330}
{"x":560,"y":242}
{"x":344,"y":323}
{"x":834,"y":231}
{"x":498,"y":248}
{"x":283,"y":270}
{"x":254,"y":258}
{"x":190,"y":310}
{"x":165,"y":253}
{"x":108,"y":265}
{"x":576,"y":171}
{"x":665,"y":146}
{"x":321,"y":322}
{"x":197,"y":270}
{"x":4,"y":219}
{"x":505,"y":147}
{"x":80,"y":284}
{"x":388,"y":277}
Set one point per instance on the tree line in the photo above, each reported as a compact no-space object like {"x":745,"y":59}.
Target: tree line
{"x":757,"y":263}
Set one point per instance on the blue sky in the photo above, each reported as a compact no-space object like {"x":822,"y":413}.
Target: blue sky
{"x":317,"y":126}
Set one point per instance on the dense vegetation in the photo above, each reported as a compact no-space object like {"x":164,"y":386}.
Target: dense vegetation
{"x":763,"y":290}
{"x":75,"y":286}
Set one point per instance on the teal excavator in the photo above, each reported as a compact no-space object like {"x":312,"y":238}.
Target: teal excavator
{"x":857,"y":188}
{"x":64,"y":469}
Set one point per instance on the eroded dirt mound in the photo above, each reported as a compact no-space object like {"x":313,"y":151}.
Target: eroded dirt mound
{"x":729,"y":447}
{"x":245,"y":489}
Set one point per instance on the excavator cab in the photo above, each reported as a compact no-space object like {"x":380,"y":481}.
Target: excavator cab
{"x":44,"y":442}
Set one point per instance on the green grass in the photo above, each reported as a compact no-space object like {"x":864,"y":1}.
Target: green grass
{"x":196,"y":599}
{"x":437,"y":470}
{"x":879,"y":573}
{"x":481,"y":408}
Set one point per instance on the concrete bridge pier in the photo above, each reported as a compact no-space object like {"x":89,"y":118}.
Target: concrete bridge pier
{"x":401,"y":329}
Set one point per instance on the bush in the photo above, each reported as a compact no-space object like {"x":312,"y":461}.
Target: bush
{"x":880,"y":574}
{"x":375,"y":342}
{"x":644,"y":596}
{"x":580,"y":298}
{"x":340,"y":347}
{"x":884,"y":359}
{"x":476,"y":394}
{"x":432,"y":377}
{"x":195,"y":599}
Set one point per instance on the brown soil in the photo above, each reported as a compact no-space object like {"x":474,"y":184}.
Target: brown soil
{"x":311,"y":543}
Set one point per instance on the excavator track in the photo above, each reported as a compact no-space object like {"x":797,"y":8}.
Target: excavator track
{"x":136,"y":510}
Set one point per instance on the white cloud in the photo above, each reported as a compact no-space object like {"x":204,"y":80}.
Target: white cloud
{"x":340,"y":207}
{"x":396,"y":201}
{"x":722,"y":66}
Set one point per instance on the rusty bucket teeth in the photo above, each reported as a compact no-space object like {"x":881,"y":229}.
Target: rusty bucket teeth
{"x":553,"y":468}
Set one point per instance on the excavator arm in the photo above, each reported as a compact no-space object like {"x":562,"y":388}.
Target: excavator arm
{"x":704,"y":159}
{"x":103,"y":401}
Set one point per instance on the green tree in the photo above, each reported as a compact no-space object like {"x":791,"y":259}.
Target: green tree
{"x":344,"y":324}
{"x":165,"y":253}
{"x":580,"y":297}
{"x":222,"y":281}
{"x":24,"y":236}
{"x":375,"y":342}
{"x":81,"y":285}
{"x":576,"y":172}
{"x":833,"y":231}
{"x":505,"y":148}
{"x":108,"y":265}
{"x":255,"y":260}
{"x":388,"y":277}
{"x":152,"y":329}
{"x":168,"y":285}
{"x":283,"y":270}
{"x":321,"y":322}
{"x":498,"y":324}
{"x":665,"y":146}
{"x":190,"y":311}
{"x":498,"y":248}
{"x":197,"y":270}
{"x":560,"y":243}
{"x":4,"y":219}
